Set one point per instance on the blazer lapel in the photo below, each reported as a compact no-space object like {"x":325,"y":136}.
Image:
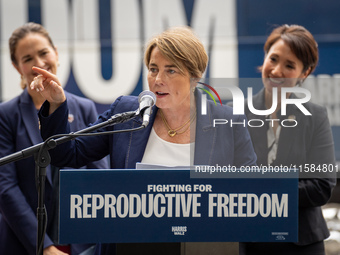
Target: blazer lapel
{"x":259,"y":134}
{"x":288,"y":133}
{"x":259,"y":139}
{"x":31,"y":122}
{"x":30,"y":117}
{"x":138,"y":140}
{"x":205,"y":135}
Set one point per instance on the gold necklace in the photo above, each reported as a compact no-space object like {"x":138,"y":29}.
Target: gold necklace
{"x":173,"y":132}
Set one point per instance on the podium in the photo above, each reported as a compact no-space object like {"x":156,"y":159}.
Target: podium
{"x":175,"y":206}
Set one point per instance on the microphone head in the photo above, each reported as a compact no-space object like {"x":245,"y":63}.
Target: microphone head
{"x":146,"y":100}
{"x":147,"y":95}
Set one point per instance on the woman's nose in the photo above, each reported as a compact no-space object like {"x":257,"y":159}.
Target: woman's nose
{"x":160,"y":78}
{"x":277,"y":71}
{"x":39,"y":62}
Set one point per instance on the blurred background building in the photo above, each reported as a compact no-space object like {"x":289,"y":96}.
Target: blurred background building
{"x":100,"y":42}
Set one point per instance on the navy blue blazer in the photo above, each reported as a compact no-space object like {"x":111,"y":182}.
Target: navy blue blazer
{"x":19,"y":129}
{"x":223,"y":145}
{"x":310,"y":142}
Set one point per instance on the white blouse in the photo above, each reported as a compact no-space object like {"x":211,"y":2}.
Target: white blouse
{"x":161,"y":152}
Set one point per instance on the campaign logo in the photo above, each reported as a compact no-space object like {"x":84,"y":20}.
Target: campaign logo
{"x":280,"y":236}
{"x":179,"y":230}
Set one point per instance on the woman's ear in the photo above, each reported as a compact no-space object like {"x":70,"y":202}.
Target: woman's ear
{"x":306,"y":73}
{"x":16,"y":67}
{"x":57,"y":54}
{"x":193,"y":82}
{"x":303,"y":76}
{"x":195,"y":79}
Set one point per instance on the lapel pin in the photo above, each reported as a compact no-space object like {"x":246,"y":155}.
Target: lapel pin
{"x":70,"y":118}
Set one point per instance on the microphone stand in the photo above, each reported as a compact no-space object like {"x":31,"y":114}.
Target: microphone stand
{"x":43,"y":159}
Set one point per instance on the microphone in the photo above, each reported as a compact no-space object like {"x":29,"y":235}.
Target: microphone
{"x":146,"y":100}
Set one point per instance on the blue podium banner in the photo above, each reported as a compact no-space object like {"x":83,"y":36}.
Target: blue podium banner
{"x":131,"y":206}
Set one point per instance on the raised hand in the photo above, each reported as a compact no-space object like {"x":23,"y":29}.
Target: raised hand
{"x":48,"y":85}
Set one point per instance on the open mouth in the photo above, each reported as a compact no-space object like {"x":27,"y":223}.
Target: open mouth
{"x":161,"y":93}
{"x":276,"y":81}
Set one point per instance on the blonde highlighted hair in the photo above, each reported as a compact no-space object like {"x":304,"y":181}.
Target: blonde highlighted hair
{"x":182,"y":47}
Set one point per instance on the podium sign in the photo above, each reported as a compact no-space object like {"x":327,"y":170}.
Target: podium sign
{"x":131,"y":206}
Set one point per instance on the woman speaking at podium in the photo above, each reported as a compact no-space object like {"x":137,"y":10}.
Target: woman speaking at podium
{"x":176,"y":60}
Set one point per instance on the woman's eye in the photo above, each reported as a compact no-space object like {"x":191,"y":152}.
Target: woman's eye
{"x":171,"y":71}
{"x":153,"y":70}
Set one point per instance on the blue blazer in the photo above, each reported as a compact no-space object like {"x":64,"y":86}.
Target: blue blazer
{"x":310,"y":142}
{"x":19,"y":129}
{"x":222,"y":145}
